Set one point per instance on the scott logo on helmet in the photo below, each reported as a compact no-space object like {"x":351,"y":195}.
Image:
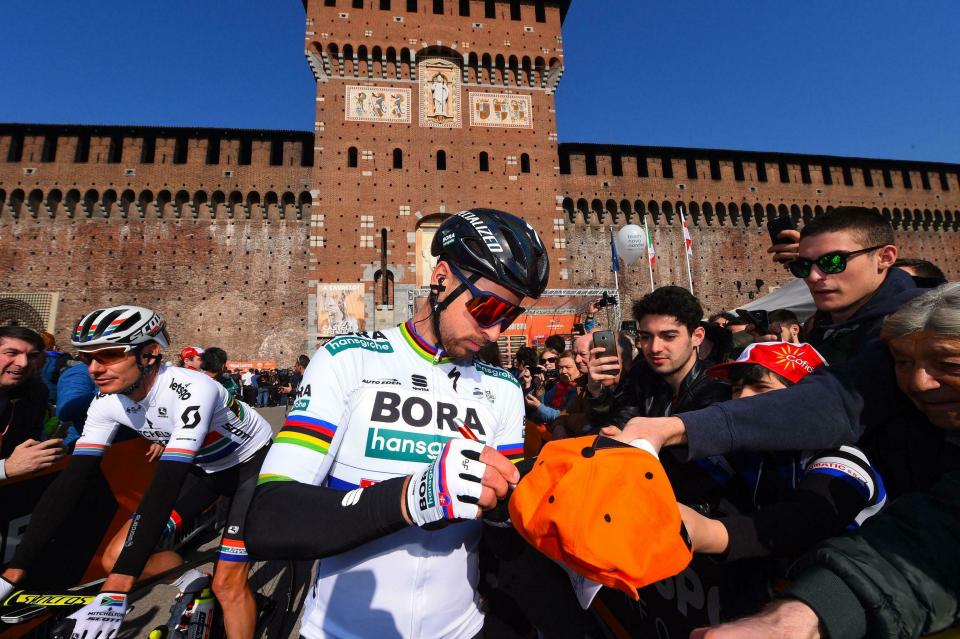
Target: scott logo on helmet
{"x":485,"y":234}
{"x":390,"y":408}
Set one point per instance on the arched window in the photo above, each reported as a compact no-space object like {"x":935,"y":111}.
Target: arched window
{"x":484,"y":161}
{"x":525,"y":163}
{"x":441,"y":160}
{"x":397,"y":159}
{"x":352,"y":157}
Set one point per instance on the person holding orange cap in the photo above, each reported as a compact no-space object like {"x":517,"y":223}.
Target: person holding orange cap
{"x":800,"y":498}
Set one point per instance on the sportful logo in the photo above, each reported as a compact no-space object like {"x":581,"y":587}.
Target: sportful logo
{"x":419,"y":382}
{"x":384,"y":443}
{"x":485,"y":234}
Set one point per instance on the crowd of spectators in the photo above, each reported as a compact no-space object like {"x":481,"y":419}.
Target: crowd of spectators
{"x":815,"y":460}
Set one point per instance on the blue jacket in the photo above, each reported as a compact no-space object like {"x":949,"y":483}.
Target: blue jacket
{"x":51,"y":370}
{"x":826,"y":409}
{"x":75,"y":391}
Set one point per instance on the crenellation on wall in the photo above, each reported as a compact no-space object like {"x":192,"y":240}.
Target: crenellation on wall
{"x":237,"y":250}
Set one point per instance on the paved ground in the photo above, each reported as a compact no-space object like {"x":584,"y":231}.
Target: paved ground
{"x":275,"y":578}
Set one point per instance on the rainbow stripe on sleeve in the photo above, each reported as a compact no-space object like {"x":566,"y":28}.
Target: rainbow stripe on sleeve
{"x":90,"y":450}
{"x":232,"y":550}
{"x":177,"y":455}
{"x":309,"y":432}
{"x":266,"y":478}
{"x":513,"y":452}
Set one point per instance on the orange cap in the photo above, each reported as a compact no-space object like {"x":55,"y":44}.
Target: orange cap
{"x":605,"y":509}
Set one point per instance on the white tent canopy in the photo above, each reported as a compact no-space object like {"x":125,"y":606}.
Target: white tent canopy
{"x":794,"y":296}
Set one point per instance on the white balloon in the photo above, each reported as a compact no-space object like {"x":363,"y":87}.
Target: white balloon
{"x":631,"y":243}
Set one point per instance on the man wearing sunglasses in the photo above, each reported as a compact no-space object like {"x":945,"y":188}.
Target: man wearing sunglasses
{"x":399,"y":441}
{"x":845,"y":257}
{"x":214,"y":446}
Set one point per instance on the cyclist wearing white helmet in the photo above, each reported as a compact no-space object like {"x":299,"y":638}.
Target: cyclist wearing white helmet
{"x":214,"y":446}
{"x":398,"y":441}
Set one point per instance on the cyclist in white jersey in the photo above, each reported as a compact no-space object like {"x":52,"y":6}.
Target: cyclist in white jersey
{"x":214,"y":446}
{"x":397,"y":443}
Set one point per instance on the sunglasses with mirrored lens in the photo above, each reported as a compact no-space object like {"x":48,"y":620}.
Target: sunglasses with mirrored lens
{"x":828,"y":263}
{"x":489,"y":309}
{"x":104,"y":357}
{"x":547,"y":360}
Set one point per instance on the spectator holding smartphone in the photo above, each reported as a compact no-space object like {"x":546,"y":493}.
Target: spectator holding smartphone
{"x":845,"y":257}
{"x":23,"y":405}
{"x":561,"y":395}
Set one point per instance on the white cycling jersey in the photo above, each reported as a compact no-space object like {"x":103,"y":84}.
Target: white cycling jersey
{"x":193,"y":416}
{"x":373,"y":407}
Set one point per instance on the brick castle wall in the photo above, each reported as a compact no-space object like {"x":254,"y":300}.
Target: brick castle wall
{"x":232,"y":233}
{"x":727,"y":200}
{"x":218,"y":244}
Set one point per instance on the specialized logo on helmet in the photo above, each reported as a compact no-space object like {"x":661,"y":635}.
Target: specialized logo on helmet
{"x":485,"y":234}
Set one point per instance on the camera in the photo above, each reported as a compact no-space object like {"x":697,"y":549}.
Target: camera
{"x":606,"y":300}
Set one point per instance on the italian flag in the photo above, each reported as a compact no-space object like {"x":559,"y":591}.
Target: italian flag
{"x":651,"y":254}
{"x":687,"y":240}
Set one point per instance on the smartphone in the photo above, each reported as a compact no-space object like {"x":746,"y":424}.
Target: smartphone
{"x":606,"y":341}
{"x":629,"y":326}
{"x":778,"y":224}
{"x":579,"y":329}
{"x":62,"y":431}
{"x":757,"y":318}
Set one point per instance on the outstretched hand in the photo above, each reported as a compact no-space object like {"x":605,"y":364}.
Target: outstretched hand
{"x":659,"y":431}
{"x":784,"y":618}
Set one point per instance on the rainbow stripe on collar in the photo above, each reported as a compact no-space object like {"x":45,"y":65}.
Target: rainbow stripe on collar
{"x":420,"y":346}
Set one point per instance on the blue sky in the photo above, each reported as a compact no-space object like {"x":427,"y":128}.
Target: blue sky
{"x":875,"y":78}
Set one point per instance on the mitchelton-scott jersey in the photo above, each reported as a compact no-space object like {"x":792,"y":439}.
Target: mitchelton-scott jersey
{"x":194,"y":417}
{"x":382,"y":405}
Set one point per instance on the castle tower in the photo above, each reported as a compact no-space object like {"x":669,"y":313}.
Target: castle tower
{"x":424,"y":108}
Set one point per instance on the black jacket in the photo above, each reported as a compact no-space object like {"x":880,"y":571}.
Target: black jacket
{"x":832,"y":406}
{"x":23,"y":409}
{"x":898,"y":577}
{"x":644,"y":393}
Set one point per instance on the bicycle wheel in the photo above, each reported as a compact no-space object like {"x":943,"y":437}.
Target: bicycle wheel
{"x":281,"y":587}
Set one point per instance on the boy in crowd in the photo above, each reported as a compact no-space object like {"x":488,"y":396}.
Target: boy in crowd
{"x":800,"y":497}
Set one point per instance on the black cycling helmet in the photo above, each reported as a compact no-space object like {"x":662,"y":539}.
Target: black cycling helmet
{"x":496,"y":245}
